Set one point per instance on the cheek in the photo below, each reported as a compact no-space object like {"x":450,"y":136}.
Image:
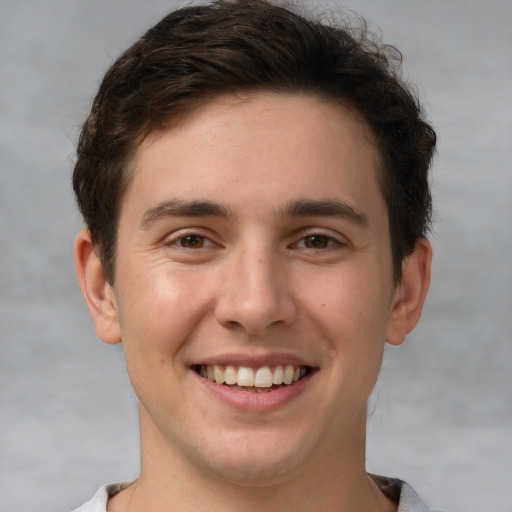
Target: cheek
{"x":159,"y":294}
{"x":156,"y":319}
{"x":157,"y":313}
{"x":348,"y":301}
{"x":350,"y":313}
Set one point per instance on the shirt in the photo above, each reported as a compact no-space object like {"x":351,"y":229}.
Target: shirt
{"x":397,"y":490}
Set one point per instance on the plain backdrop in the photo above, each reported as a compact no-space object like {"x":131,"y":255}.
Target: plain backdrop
{"x":442,"y":411}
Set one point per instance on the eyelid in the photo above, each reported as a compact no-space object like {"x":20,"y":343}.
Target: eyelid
{"x":331,"y":241}
{"x":338,"y":239}
{"x":172,"y":239}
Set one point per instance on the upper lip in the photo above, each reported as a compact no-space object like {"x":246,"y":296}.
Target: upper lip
{"x":253,"y":360}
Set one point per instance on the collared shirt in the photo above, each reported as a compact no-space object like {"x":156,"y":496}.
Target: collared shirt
{"x":396,"y":490}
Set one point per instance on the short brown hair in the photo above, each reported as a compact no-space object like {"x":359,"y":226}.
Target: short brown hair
{"x":242,"y":46}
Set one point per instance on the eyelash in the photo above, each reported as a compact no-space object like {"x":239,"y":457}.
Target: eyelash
{"x":198,"y":241}
{"x":321,"y":238}
{"x":178,"y":241}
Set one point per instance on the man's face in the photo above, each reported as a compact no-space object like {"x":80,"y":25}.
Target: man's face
{"x":253,"y":238}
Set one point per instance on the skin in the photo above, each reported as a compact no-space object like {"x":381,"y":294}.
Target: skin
{"x":254,"y":279}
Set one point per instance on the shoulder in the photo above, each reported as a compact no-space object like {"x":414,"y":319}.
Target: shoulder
{"x":402,"y":494}
{"x":98,"y":503}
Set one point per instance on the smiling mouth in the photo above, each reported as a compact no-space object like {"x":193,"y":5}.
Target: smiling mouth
{"x":253,"y":380}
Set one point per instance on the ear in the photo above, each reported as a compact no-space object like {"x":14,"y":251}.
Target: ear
{"x":410,"y":293}
{"x":97,"y":292}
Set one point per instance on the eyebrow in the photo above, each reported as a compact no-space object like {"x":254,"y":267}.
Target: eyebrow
{"x":177,"y":208}
{"x":324,"y":208}
{"x":298,"y":208}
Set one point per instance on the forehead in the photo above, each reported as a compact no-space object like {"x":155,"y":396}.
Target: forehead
{"x":273,"y":146}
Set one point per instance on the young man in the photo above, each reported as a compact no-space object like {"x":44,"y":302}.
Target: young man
{"x":254,"y":187}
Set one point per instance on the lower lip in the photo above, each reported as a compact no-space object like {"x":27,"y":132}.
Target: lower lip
{"x":254,"y":401}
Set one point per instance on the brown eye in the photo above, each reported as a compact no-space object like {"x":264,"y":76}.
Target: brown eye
{"x":191,"y":241}
{"x":317,"y":241}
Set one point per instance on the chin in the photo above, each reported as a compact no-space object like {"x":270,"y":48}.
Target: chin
{"x":255,"y":461}
{"x":255,"y":473}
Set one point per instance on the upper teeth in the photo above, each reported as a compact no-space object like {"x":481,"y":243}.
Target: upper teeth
{"x":262,"y":377}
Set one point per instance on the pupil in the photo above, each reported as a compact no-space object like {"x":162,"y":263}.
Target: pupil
{"x":317,"y":241}
{"x":192,"y":241}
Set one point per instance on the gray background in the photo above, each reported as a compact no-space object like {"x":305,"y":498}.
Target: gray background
{"x":443,"y":408}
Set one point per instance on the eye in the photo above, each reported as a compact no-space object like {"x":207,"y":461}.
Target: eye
{"x":317,"y":241}
{"x":192,"y":241}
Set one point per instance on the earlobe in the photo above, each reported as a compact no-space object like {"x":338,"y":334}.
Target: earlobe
{"x":410,"y":293}
{"x":97,"y":292}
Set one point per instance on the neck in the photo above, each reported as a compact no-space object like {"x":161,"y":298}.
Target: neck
{"x":332,"y":481}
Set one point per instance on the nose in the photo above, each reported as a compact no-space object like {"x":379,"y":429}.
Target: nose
{"x":255,"y":292}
